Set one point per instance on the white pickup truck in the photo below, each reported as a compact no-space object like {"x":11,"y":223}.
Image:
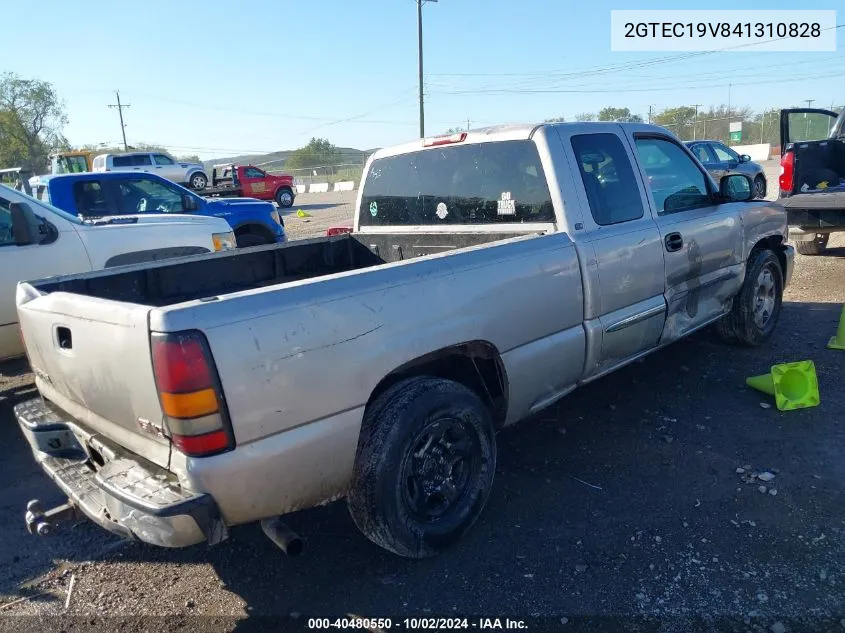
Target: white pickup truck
{"x":39,"y":240}
{"x":488,"y":275}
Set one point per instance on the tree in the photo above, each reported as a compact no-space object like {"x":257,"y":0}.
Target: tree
{"x":619,"y":114}
{"x":318,"y":153}
{"x":679,"y":120}
{"x":585,"y":116}
{"x":31,"y":121}
{"x":558,"y":119}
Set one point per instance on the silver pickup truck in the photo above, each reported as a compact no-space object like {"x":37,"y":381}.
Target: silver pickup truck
{"x":487,"y":275}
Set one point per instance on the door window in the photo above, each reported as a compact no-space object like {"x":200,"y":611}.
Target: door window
{"x":161,"y":159}
{"x":608,"y":178}
{"x":675,"y":181}
{"x":252,"y":172}
{"x":725,"y":154}
{"x":139,"y":195}
{"x":809,"y":126}
{"x":90,"y":198}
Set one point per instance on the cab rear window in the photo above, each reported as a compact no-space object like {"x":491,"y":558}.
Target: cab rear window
{"x":483,"y":183}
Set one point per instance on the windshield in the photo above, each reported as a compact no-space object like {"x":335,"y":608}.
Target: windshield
{"x":70,"y":164}
{"x":481,"y":183}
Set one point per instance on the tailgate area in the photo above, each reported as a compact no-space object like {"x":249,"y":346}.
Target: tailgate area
{"x":91,"y":357}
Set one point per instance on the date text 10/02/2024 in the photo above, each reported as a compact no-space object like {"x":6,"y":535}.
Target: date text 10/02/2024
{"x":384,"y":624}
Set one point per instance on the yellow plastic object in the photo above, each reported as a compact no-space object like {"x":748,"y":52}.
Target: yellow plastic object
{"x":794,"y":385}
{"x":302,"y":214}
{"x":838,"y":341}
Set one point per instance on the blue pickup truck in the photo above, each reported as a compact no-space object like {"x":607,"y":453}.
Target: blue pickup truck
{"x":95,"y":195}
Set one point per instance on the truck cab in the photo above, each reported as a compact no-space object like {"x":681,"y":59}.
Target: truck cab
{"x":106,"y":194}
{"x":812,"y":179}
{"x":229,"y":179}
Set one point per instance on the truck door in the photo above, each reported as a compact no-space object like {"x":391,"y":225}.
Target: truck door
{"x":61,"y":252}
{"x":810,"y":135}
{"x":166,"y":167}
{"x":254,"y":182}
{"x":702,"y":241}
{"x":625,"y":307}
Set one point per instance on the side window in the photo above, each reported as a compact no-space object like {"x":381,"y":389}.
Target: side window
{"x":141,"y":160}
{"x":90,"y":198}
{"x":608,"y":178}
{"x":676,"y":182}
{"x":7,"y":237}
{"x":252,"y":172}
{"x":122,"y":161}
{"x":161,"y":159}
{"x":141,"y":195}
{"x":701,"y":153}
{"x":725,"y":154}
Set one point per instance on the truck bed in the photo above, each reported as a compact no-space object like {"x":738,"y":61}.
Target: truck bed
{"x":206,"y":276}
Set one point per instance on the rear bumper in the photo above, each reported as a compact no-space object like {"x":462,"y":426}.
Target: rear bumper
{"x":117,"y":490}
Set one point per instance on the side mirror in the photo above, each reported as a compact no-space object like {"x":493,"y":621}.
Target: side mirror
{"x":189,"y":203}
{"x":744,"y":158}
{"x":25,"y":225}
{"x":736,"y":188}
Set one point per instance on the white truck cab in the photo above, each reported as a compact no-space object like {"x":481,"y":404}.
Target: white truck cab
{"x":38,"y":240}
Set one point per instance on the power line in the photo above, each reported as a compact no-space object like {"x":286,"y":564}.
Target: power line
{"x":120,"y":107}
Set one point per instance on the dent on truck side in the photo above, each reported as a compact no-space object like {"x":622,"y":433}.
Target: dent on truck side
{"x":297,"y":378}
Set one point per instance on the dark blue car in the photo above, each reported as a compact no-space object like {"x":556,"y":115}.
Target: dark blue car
{"x":96,"y":195}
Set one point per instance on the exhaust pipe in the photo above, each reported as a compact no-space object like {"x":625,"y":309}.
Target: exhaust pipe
{"x":288,"y":540}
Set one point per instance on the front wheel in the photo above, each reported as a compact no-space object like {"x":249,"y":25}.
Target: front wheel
{"x":755,"y":310}
{"x":198,"y":182}
{"x":815,"y":246}
{"x":284,"y":198}
{"x":424,"y":468}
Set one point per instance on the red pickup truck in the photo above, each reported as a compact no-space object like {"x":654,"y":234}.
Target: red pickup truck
{"x":251,"y":182}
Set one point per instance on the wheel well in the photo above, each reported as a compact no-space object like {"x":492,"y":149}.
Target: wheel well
{"x":191,"y":174}
{"x":282,"y":188}
{"x":773,"y":243}
{"x":475,"y":364}
{"x":255,"y":229}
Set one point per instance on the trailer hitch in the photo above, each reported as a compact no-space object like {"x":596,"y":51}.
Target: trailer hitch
{"x":42,"y":523}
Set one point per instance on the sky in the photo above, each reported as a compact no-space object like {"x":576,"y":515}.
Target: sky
{"x":217,"y":78}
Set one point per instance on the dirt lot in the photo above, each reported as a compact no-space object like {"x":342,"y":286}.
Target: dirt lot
{"x":622,"y":501}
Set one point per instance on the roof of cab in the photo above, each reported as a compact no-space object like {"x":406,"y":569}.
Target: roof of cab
{"x":504,"y":132}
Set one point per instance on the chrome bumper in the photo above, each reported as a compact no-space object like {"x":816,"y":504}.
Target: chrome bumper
{"x":118,"y":490}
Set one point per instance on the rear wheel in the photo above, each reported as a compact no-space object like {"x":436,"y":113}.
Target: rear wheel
{"x":199,"y":182}
{"x":424,"y":468}
{"x":756,"y":308}
{"x":760,"y":186}
{"x":816,"y":246}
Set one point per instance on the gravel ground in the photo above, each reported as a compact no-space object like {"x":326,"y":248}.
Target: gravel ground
{"x":621,"y":501}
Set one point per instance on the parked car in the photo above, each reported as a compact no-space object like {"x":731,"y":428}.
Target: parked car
{"x":97,"y":195}
{"x":180,"y":172}
{"x":39,"y":240}
{"x":812,"y":179}
{"x":720,"y":160}
{"x":488,"y":275}
{"x":237,"y":180}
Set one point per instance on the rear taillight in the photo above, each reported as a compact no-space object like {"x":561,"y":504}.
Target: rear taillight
{"x":190,"y":394}
{"x":787,"y":172}
{"x":338,"y":230}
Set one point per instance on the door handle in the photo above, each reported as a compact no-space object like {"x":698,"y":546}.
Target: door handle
{"x":674,"y":242}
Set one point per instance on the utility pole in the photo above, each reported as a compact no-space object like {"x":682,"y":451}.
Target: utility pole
{"x":420,"y":37}
{"x":649,"y":114}
{"x":809,"y":102}
{"x":467,"y":124}
{"x":695,"y":119}
{"x":120,"y":107}
{"x":729,"y":103}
